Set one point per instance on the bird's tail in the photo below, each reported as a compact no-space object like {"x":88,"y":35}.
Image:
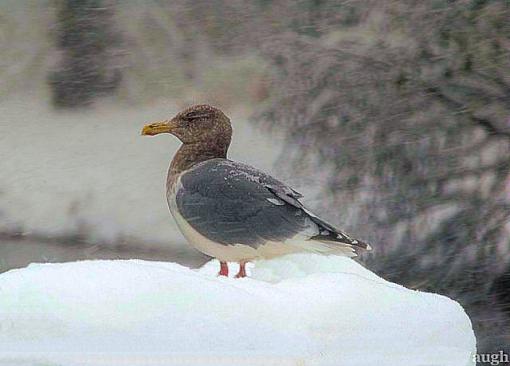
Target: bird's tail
{"x":334,"y":240}
{"x":324,"y":247}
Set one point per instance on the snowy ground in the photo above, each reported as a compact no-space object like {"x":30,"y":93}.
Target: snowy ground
{"x":295,"y":310}
{"x":92,"y":174}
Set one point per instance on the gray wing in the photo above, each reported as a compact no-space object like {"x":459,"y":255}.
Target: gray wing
{"x":233,"y":203}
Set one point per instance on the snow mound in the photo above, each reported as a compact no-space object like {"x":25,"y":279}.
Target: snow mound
{"x":294,"y":310}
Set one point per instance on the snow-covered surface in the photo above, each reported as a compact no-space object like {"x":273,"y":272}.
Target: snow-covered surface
{"x":294,"y":310}
{"x":92,"y":173}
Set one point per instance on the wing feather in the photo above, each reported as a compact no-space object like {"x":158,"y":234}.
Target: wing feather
{"x":233,"y":203}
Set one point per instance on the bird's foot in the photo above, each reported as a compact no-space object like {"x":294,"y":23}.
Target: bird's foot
{"x":242,"y":270}
{"x":223,"y":269}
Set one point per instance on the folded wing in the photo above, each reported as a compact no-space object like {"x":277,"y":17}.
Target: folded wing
{"x":232,"y":203}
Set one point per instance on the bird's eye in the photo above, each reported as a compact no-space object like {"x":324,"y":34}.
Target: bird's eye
{"x":194,"y":115}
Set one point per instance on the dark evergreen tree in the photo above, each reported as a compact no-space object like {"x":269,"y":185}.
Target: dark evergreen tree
{"x":89,"y":47}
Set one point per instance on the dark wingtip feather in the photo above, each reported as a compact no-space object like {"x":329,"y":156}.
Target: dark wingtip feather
{"x":331,"y":234}
{"x":341,"y":238}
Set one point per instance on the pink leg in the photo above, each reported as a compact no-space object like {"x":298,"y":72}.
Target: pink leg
{"x":223,"y":269}
{"x":242,"y":270}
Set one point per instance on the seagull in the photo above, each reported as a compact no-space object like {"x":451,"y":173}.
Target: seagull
{"x":232,"y":211}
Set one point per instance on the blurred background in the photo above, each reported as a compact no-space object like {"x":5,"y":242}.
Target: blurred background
{"x":393,"y":117}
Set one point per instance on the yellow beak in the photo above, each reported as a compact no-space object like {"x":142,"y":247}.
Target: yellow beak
{"x":156,"y":128}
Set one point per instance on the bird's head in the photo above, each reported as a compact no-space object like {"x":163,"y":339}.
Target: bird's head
{"x":196,"y":124}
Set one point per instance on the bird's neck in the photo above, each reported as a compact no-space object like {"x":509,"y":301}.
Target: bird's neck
{"x":189,"y":155}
